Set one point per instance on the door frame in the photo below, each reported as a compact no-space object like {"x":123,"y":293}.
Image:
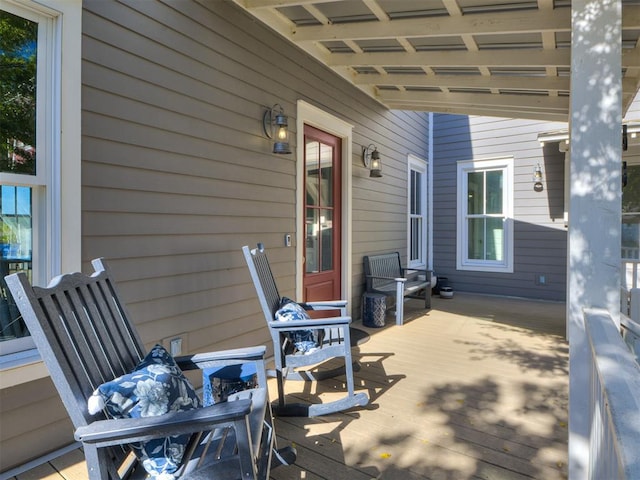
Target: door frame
{"x":318,"y":118}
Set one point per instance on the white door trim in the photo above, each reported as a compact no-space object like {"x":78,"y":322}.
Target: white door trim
{"x":311,"y":115}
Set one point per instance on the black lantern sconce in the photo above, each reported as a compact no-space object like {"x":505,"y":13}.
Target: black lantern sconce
{"x":276,"y":127}
{"x":371,"y":160}
{"x":537,"y":178}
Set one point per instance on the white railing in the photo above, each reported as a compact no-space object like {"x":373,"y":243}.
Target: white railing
{"x":615,"y":400}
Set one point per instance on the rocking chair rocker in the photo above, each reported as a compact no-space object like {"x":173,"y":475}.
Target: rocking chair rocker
{"x":333,"y":341}
{"x":83,"y":333}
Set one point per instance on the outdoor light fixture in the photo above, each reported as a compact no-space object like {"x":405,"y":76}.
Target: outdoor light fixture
{"x":537,"y":178}
{"x":371,"y":160}
{"x":276,"y":127}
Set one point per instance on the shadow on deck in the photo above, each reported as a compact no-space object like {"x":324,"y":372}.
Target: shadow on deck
{"x":475,"y":388}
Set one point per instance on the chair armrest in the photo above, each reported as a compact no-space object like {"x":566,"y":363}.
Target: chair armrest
{"x":209,"y":359}
{"x":104,"y":433}
{"x":393,"y":279}
{"x":380,"y":277}
{"x":311,"y":323}
{"x":325,"y":304}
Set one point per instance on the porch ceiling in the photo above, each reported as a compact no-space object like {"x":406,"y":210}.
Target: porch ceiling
{"x":508,"y":58}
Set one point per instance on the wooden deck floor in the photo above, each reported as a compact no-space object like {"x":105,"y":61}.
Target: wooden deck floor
{"x":476,"y":388}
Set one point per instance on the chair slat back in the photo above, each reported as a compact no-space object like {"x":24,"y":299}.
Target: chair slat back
{"x":82,"y":331}
{"x":263,"y":280}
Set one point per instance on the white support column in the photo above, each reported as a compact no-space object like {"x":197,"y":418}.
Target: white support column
{"x":594,"y":206}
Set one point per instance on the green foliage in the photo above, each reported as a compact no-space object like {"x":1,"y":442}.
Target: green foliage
{"x":18,"y":46}
{"x":631,"y":193}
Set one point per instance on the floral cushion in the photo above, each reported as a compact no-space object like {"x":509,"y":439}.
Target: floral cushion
{"x":305,"y":341}
{"x":156,"y":386}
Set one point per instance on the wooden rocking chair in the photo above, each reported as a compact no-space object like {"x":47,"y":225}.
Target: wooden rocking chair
{"x":84,"y":335}
{"x":334,"y":341}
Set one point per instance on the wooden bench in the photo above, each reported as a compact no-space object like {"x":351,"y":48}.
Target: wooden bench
{"x":384,"y":274}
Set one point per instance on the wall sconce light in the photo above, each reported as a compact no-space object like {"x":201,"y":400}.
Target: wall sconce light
{"x":371,"y":160}
{"x":537,"y":178}
{"x":276,"y":127}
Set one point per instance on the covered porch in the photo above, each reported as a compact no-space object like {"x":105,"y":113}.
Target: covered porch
{"x":475,"y":388}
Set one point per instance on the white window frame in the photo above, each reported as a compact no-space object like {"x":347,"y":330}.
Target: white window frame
{"x":57,"y":185}
{"x":462,"y":261}
{"x":416,"y":164}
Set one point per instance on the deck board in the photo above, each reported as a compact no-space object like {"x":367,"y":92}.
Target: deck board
{"x":476,"y":388}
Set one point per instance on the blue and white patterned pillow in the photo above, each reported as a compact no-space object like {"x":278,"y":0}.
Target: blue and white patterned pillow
{"x":305,"y":341}
{"x":156,"y":386}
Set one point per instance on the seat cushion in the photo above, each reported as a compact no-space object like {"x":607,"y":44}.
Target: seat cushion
{"x":155,"y":387}
{"x":305,"y":341}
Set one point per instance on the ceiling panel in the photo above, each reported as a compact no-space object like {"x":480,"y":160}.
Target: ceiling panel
{"x":492,"y":57}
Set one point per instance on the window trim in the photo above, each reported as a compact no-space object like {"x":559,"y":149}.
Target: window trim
{"x":60,"y":208}
{"x":463,"y":168}
{"x":418,"y":165}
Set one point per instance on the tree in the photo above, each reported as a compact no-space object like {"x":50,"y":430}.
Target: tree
{"x":18,"y":46}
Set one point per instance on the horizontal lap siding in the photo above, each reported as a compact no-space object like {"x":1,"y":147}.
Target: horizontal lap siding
{"x":539,"y":231}
{"x":177,"y":174}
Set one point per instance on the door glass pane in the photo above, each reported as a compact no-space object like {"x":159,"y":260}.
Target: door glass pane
{"x":15,"y":253}
{"x":475,"y":193}
{"x":495,"y":238}
{"x":312,"y":247}
{"x":476,"y":238}
{"x":494,"y":192}
{"x":18,"y":47}
{"x":312,"y":156}
{"x":326,"y":234}
{"x":326,"y":181}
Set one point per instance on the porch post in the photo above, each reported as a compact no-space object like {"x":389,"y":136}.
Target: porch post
{"x":594,"y":204}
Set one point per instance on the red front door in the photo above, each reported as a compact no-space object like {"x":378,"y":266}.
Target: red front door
{"x":322,"y":207}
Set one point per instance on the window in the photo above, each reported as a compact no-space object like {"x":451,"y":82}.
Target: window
{"x":417,"y":206}
{"x":39,"y":146}
{"x":485,"y":215}
{"x":631,"y":215}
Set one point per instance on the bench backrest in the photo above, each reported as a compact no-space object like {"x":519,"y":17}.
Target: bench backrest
{"x":384,"y":265}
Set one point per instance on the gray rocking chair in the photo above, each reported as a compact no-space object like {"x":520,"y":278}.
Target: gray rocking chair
{"x":84,"y":335}
{"x":334,"y":342}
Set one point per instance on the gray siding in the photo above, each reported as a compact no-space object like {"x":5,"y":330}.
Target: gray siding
{"x":177,"y":175}
{"x":539,"y":231}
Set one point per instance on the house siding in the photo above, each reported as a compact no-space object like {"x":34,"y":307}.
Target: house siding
{"x":540,"y":242}
{"x":177,"y":176}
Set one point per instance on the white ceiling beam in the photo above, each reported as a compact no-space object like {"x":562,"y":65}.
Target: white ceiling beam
{"x":532,"y":21}
{"x":493,"y":112}
{"x":465,"y":81}
{"x":502,"y":82}
{"x":528,"y":102}
{"x":489,"y":58}
{"x":277,"y":3}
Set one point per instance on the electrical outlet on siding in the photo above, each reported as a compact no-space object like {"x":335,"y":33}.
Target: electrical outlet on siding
{"x":176,"y":344}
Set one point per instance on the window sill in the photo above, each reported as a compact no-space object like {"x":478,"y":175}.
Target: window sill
{"x":485,"y":268}
{"x":21,"y":367}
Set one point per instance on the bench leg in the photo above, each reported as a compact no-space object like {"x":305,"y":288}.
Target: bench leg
{"x":399,"y":303}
